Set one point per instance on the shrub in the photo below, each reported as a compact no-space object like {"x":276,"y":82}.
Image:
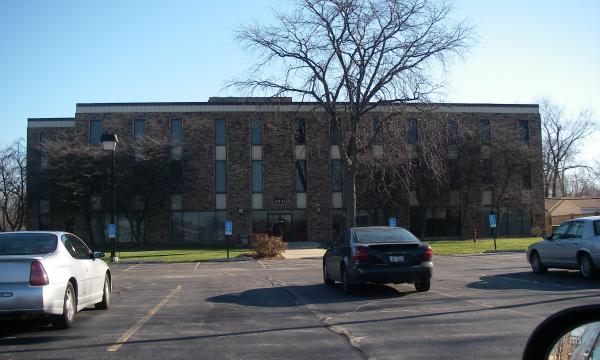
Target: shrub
{"x":267,"y":245}
{"x":536,"y":231}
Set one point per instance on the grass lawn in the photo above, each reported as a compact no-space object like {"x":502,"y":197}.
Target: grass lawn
{"x":176,"y":255}
{"x":453,"y":247}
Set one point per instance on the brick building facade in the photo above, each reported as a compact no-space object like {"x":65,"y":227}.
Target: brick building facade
{"x":269,"y":167}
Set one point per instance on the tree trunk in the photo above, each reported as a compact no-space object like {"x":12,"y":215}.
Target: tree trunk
{"x":349,"y":198}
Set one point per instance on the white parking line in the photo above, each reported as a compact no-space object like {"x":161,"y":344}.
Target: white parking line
{"x":196,"y":267}
{"x":132,"y":267}
{"x":123,"y":339}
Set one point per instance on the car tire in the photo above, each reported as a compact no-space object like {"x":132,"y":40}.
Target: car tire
{"x":326,"y":279}
{"x":536,"y":264}
{"x":423,"y":285}
{"x":347,"y":286}
{"x":106,"y":294}
{"x":67,"y":318}
{"x":587,"y":267}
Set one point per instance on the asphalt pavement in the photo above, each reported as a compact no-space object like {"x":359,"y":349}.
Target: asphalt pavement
{"x":479,"y":307}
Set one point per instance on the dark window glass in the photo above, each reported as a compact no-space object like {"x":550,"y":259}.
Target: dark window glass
{"x":524,"y":131}
{"x":43,"y":138}
{"x":257,"y":176}
{"x":256,"y":132}
{"x":83,"y":252}
{"x":486,"y":165}
{"x":259,"y":222}
{"x":575,"y":230}
{"x":176,"y":131}
{"x":415,"y":168}
{"x":220,"y":133}
{"x":526,"y":177}
{"x":139,"y":128}
{"x":334,"y":134}
{"x":68,"y":244}
{"x":220,"y":218}
{"x":27,"y":244}
{"x":138,"y":178}
{"x":220,"y":176}
{"x":301,"y":176}
{"x":95,"y":132}
{"x":44,"y":222}
{"x":299,"y":225}
{"x":176,"y":177}
{"x":176,"y":226}
{"x":597,"y":227}
{"x":300,"y":132}
{"x":412,"y":133}
{"x":377,"y":132}
{"x":452,"y":131}
{"x":453,"y":174}
{"x":486,"y":132}
{"x":383,"y":235}
{"x":338,"y":220}
{"x":336,"y":175}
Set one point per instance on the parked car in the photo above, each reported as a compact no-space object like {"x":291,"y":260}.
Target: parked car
{"x":379,"y":255}
{"x":51,"y":273}
{"x":575,"y":244}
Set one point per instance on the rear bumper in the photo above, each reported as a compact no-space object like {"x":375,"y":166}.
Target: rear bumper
{"x":395,"y":274}
{"x":24,"y":299}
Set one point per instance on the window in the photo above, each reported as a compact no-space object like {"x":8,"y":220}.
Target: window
{"x":336,"y":175}
{"x":176,"y":131}
{"x":300,"y":132}
{"x":95,"y":132}
{"x":301,"y":176}
{"x":256,"y":133}
{"x":411,"y":132}
{"x":558,"y":232}
{"x":139,"y":126}
{"x":452,"y":131}
{"x":220,"y":176}
{"x":526,"y":177}
{"x":524,"y":131}
{"x":486,"y":168}
{"x":486,"y":132}
{"x":334,"y":134}
{"x":597,"y":227}
{"x":220,"y":133}
{"x":257,"y":176}
{"x":575,"y":230}
{"x":377,"y":132}
{"x":453,"y":174}
{"x":176,"y":177}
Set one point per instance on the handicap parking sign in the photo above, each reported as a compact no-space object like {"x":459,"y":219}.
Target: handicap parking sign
{"x":392,"y":222}
{"x":112,"y":231}
{"x":228,"y":227}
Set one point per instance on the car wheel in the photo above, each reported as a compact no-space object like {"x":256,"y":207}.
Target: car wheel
{"x":347,"y":287}
{"x":67,"y":318}
{"x":326,"y":279}
{"x":536,"y":264}
{"x":105,"y":303}
{"x":423,"y":285}
{"x":587,"y":267}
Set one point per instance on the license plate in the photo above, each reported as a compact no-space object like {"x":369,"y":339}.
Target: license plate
{"x":397,"y":259}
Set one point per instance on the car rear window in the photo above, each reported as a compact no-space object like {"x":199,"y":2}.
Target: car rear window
{"x":597,"y":227}
{"x":384,"y":235}
{"x":27,"y":244}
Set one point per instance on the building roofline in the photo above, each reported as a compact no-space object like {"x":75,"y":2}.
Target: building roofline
{"x":63,"y":122}
{"x":52,"y":119}
{"x":200,"y":103}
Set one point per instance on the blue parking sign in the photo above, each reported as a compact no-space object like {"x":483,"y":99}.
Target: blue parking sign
{"x":392,"y":222}
{"x":492,"y":217}
{"x":112,"y":231}
{"x":228,"y":227}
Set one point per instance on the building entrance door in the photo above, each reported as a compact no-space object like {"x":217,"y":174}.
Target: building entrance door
{"x":280,"y":225}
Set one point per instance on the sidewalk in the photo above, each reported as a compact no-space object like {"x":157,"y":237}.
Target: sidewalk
{"x":303,"y":250}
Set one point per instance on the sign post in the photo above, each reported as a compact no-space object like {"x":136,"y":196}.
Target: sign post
{"x":392,"y":222}
{"x":492,"y":218}
{"x":228,"y":233}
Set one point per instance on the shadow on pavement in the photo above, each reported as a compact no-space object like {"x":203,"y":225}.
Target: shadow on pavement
{"x":557,"y":280}
{"x":311,"y":294}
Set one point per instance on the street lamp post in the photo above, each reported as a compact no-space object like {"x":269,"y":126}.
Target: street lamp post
{"x":109,"y":143}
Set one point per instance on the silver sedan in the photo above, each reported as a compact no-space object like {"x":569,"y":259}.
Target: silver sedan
{"x":51,"y":273}
{"x":575,"y":244}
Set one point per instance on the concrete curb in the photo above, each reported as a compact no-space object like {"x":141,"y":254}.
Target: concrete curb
{"x":134,"y":262}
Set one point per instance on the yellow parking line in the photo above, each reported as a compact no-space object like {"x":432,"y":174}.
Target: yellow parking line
{"x":123,"y":339}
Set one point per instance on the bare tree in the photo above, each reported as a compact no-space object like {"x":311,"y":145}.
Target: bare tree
{"x":358,"y":60}
{"x":13,"y":186}
{"x":561,"y":138}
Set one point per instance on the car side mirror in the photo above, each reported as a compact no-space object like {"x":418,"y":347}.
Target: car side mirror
{"x":572,"y":331}
{"x":547,"y":237}
{"x":97,"y":255}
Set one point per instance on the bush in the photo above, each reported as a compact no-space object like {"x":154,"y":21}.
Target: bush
{"x":267,"y":245}
{"x":536,"y":231}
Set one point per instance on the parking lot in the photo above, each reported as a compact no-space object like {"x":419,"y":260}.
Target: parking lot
{"x":479,"y":307}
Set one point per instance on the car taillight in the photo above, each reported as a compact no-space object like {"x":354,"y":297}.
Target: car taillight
{"x":428,"y":254}
{"x":37,"y":274}
{"x":361,"y":254}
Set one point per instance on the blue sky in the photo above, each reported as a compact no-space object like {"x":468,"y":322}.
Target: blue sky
{"x":54,"y":54}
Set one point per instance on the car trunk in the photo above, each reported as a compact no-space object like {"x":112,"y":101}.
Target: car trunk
{"x":15,"y":269}
{"x":407,"y":254}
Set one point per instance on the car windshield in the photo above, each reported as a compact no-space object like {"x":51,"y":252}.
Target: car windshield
{"x":27,"y":243}
{"x":384,"y":235}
